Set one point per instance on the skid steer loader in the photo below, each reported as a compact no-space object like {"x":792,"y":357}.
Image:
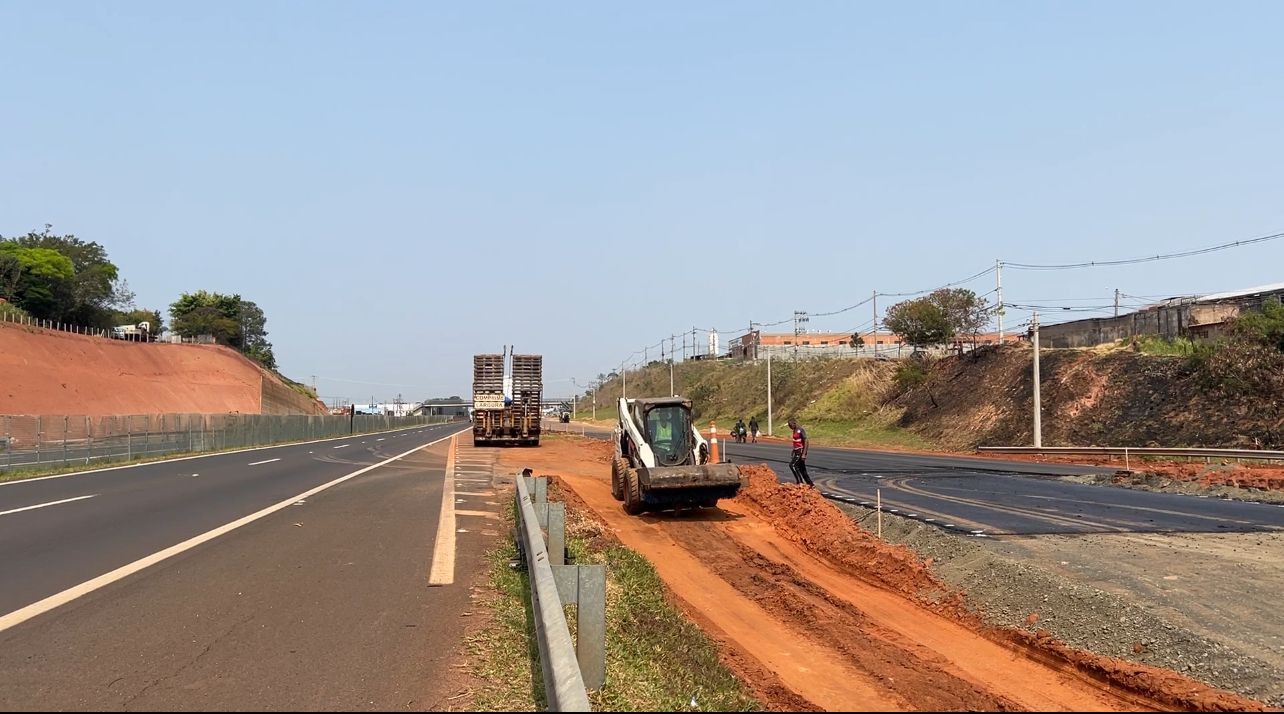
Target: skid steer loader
{"x":661,"y":460}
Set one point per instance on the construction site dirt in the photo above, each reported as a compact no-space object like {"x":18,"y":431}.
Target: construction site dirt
{"x":815,"y":612}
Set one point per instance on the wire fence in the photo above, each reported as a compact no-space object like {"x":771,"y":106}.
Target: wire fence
{"x":126,"y":333}
{"x":28,"y":442}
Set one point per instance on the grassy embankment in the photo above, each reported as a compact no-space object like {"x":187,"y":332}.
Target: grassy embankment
{"x":839,"y":402}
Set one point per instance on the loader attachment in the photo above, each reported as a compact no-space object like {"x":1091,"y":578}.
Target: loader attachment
{"x":675,"y":477}
{"x":678,"y":486}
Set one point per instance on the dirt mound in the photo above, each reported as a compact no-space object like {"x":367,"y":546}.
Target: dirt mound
{"x":58,"y":373}
{"x":803,"y":516}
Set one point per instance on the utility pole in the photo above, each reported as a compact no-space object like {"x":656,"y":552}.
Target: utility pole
{"x":800,"y":316}
{"x":1038,"y":421}
{"x":694,"y":351}
{"x":998,"y":289}
{"x":770,"y":431}
{"x":1116,"y":302}
{"x":672,"y":391}
{"x":624,"y":382}
{"x":684,"y":347}
{"x":873,"y":331}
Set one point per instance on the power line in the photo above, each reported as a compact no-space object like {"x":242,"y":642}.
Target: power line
{"x":1129,"y":261}
{"x":968,"y":279}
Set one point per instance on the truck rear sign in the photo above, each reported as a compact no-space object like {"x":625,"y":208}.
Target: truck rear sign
{"x":488,"y":401}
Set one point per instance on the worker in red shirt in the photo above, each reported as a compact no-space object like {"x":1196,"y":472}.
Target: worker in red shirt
{"x":798,"y":459}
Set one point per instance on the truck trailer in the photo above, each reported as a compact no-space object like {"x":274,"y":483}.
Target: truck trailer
{"x":507,"y":389}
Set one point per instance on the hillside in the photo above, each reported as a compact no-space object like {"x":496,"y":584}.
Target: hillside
{"x":58,"y":373}
{"x":1107,"y":397}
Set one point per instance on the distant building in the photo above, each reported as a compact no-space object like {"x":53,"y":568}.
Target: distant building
{"x":1195,"y":316}
{"x":756,"y":345}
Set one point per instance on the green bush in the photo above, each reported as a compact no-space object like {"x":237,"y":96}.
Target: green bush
{"x":12,"y":312}
{"x":1167,"y":347}
{"x":910,"y":374}
{"x":1265,"y":327}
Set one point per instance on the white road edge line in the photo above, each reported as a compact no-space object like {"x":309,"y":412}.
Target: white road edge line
{"x":19,"y":481}
{"x":340,"y":446}
{"x":443,"y":550}
{"x":21,"y":615}
{"x":256,"y":463}
{"x":42,"y":505}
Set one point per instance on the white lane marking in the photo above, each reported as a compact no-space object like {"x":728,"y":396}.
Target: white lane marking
{"x":473,"y":493}
{"x":42,"y":505}
{"x":19,"y":482}
{"x":378,"y":439}
{"x":23,"y":614}
{"x":443,"y":550}
{"x":256,"y":463}
{"x":340,"y":446}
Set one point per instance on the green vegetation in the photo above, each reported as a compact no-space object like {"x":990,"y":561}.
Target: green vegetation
{"x":12,"y":312}
{"x":1265,"y":327}
{"x":656,"y":659}
{"x":839,"y":401}
{"x":1168,"y":347}
{"x":910,"y":374}
{"x":63,"y":279}
{"x":938,"y":317}
{"x":231,"y":319}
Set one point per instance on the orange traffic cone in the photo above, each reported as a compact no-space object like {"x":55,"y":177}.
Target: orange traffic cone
{"x":713,"y":443}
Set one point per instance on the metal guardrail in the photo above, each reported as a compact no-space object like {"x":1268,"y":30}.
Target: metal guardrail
{"x":568,"y":669}
{"x":1137,"y":451}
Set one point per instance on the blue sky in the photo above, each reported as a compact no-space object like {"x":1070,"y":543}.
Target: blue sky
{"x":401,"y":185}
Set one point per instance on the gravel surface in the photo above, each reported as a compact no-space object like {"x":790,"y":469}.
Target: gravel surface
{"x":1020,"y":583}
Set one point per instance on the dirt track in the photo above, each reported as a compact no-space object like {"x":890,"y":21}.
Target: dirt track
{"x":814,"y":612}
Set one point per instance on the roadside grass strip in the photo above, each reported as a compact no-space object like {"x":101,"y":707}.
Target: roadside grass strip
{"x":656,"y":659}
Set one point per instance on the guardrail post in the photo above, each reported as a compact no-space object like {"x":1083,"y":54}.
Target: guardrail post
{"x":567,"y":674}
{"x":585,"y":585}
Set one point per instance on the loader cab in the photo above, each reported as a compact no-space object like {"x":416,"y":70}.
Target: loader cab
{"x":668,"y":430}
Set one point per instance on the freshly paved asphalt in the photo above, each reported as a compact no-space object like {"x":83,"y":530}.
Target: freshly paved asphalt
{"x":1002,"y":497}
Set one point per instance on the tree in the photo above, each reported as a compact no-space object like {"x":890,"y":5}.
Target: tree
{"x":40,"y":280}
{"x":232,"y":321}
{"x":207,"y":313}
{"x":856,"y":341}
{"x":254,"y":341}
{"x":967,"y":313}
{"x":919,"y":322}
{"x":92,"y":291}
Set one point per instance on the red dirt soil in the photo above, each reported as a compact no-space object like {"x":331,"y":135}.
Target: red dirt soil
{"x":46,"y":372}
{"x":811,"y":607}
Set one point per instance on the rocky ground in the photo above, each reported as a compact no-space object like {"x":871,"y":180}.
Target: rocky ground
{"x":1202,"y":604}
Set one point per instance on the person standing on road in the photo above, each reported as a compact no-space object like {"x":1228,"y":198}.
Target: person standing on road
{"x":798,"y":458}
{"x":753,"y":428}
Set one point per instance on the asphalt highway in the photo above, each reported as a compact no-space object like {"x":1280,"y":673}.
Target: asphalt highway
{"x":291,"y":577}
